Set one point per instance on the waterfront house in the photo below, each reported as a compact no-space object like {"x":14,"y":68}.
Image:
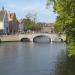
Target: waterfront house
{"x":4,"y":23}
{"x":46,"y":27}
{"x":21,"y":26}
{"x":13,"y":23}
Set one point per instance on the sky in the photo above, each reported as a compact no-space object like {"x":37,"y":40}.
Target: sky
{"x":23,"y":7}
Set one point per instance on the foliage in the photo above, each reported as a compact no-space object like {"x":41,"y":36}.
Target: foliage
{"x":58,"y":25}
{"x":71,"y":49}
{"x":65,"y":21}
{"x":30,"y":24}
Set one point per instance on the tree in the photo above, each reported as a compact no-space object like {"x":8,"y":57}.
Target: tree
{"x":30,"y":23}
{"x":65,"y":20}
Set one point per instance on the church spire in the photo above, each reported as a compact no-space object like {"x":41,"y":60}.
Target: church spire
{"x":3,"y":8}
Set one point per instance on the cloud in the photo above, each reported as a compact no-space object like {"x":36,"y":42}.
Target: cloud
{"x":36,"y":8}
{"x":12,"y":5}
{"x":29,"y":7}
{"x":21,"y":8}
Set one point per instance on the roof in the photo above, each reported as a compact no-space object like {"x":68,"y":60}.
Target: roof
{"x":11,"y":16}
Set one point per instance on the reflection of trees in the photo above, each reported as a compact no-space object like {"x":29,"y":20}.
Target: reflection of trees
{"x":65,"y":66}
{"x":71,"y":65}
{"x":61,"y":68}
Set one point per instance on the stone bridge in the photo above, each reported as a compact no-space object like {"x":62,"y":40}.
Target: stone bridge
{"x":31,"y":37}
{"x":51,"y":37}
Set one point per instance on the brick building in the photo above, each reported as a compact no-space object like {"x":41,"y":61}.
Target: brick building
{"x":13,"y":23}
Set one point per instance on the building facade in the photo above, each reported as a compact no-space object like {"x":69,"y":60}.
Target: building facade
{"x":47,"y":27}
{"x":4,"y":23}
{"x":13,"y":23}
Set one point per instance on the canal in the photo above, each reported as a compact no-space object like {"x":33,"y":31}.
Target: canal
{"x":20,"y":58}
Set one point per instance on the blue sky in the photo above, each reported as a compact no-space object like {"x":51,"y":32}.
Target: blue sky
{"x":22,"y":7}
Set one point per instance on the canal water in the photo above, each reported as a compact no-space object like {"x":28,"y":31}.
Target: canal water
{"x":20,"y":58}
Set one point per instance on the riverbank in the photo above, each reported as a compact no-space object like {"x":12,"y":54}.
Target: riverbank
{"x":9,"y":38}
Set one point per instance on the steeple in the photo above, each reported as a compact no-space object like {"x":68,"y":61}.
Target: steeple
{"x":3,"y":8}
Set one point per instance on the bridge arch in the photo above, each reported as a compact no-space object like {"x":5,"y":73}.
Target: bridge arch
{"x":38,"y":36}
{"x":25,"y":40}
{"x":61,"y":40}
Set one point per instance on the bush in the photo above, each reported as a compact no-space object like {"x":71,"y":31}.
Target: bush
{"x":71,"y":49}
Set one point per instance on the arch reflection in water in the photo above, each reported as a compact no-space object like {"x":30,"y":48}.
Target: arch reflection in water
{"x":42,"y":39}
{"x":25,"y":40}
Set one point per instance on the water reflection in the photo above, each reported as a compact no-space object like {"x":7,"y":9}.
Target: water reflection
{"x":71,"y":66}
{"x":34,"y":59}
{"x":61,"y":65}
{"x":42,"y":39}
{"x":65,"y":66}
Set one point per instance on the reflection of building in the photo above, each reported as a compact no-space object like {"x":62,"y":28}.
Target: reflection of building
{"x":47,"y":27}
{"x":4,"y":24}
{"x":13,"y":23}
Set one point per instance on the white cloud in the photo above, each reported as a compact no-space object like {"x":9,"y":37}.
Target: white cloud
{"x":23,"y":9}
{"x":37,"y":9}
{"x":12,"y":6}
{"x":32,"y":8}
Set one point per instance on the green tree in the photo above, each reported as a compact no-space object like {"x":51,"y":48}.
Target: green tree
{"x":30,"y":23}
{"x":65,"y":20}
{"x":27,"y":23}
